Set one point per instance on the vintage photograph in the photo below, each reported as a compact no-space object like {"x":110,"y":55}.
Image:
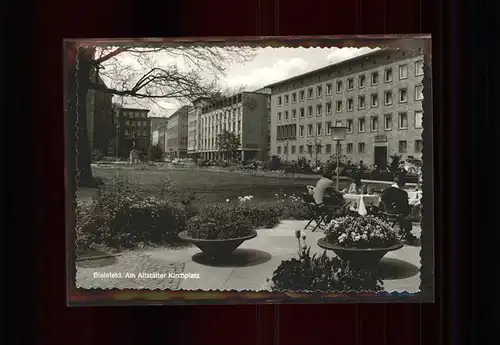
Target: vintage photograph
{"x":247,"y":167}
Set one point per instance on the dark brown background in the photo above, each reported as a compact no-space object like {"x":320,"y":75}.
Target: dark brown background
{"x":267,"y":324}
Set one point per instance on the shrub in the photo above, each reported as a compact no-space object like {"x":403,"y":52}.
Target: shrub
{"x":120,"y":216}
{"x":360,"y":232}
{"x":322,"y":273}
{"x":219,"y":221}
{"x":155,"y":153}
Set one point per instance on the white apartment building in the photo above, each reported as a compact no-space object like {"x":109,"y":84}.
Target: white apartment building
{"x":377,"y":96}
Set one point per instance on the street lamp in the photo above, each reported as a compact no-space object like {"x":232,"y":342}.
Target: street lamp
{"x":338,"y":134}
{"x":286,"y":146}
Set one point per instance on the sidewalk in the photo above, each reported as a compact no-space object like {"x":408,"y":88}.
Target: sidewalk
{"x":252,"y":263}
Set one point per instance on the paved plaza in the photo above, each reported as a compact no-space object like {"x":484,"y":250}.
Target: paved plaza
{"x":251,"y":264}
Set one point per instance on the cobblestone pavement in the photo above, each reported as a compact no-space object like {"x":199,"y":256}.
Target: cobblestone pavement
{"x":131,"y":270}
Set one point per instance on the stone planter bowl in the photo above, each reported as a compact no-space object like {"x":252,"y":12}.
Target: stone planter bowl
{"x":366,"y":258}
{"x":219,"y":248}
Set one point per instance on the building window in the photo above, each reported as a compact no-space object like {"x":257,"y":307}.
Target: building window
{"x":319,"y":91}
{"x":329,"y":128}
{"x":388,"y":75}
{"x":279,"y":116}
{"x":318,"y":129}
{"x":349,"y":148}
{"x":294,"y":114}
{"x":309,"y":149}
{"x":339,"y":86}
{"x":318,"y":110}
{"x":318,"y":148}
{"x":349,"y":126}
{"x":419,"y":144}
{"x":279,"y":150}
{"x":350,"y":84}
{"x":301,"y":131}
{"x":294,"y":97}
{"x":388,"y":97}
{"x":361,"y":147}
{"x":309,"y":130}
{"x":361,"y":125}
{"x":361,"y":81}
{"x":301,"y":111}
{"x":361,"y":102}
{"x":338,"y":123}
{"x":375,"y":78}
{"x":350,"y":104}
{"x":293,"y":149}
{"x":403,"y":71}
{"x":279,"y":101}
{"x":285,"y":149}
{"x":403,"y":96}
{"x":301,"y":149}
{"x":339,"y":106}
{"x":145,"y":133}
{"x":286,"y":115}
{"x":374,"y":124}
{"x":286,"y":99}
{"x":402,"y":146}
{"x":310,"y":93}
{"x":403,"y":121}
{"x":309,"y":111}
{"x":374,"y":100}
{"x":419,"y":67}
{"x":419,"y":92}
{"x":418,"y":119}
{"x":301,"y":96}
{"x":328,"y":108}
{"x":328,"y":89}
{"x":328,"y":148}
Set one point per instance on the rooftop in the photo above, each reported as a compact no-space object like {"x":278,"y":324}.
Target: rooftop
{"x":335,"y":66}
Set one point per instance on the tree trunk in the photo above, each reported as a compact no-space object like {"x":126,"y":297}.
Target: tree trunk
{"x":78,"y":142}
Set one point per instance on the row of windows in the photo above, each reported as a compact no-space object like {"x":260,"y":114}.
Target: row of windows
{"x":136,"y":114}
{"x":138,"y":123}
{"x":349,"y":148}
{"x":222,"y":104}
{"x":290,"y":131}
{"x":339,"y":85}
{"x":339,"y":105}
{"x":136,"y":132}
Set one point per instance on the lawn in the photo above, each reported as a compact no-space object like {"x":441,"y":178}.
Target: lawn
{"x":211,"y":186}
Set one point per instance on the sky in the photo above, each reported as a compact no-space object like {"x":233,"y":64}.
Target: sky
{"x":268,"y":66}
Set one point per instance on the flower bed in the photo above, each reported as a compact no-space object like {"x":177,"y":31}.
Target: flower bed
{"x":121,"y":216}
{"x":322,"y":273}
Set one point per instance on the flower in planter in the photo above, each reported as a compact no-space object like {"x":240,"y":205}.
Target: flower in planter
{"x":360,"y":232}
{"x":312,"y":272}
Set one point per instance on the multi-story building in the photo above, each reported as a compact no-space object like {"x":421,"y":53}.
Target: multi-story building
{"x":100,"y":127}
{"x":177,"y":133}
{"x":158,"y":130}
{"x":244,"y":115}
{"x":377,"y":96}
{"x":134,"y":130}
{"x":193,"y":131}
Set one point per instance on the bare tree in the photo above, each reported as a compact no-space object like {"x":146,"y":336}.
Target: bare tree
{"x":132,"y":71}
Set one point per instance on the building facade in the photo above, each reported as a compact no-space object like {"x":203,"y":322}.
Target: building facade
{"x":377,"y":96}
{"x":134,"y":131}
{"x":100,"y":125}
{"x":193,"y":131}
{"x":158,"y":131}
{"x":177,"y":133}
{"x":244,"y":115}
